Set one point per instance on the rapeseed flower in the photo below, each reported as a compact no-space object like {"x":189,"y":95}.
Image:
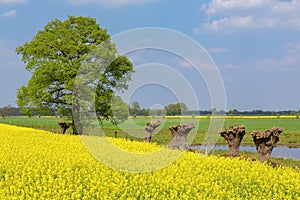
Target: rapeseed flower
{"x":36,"y":164}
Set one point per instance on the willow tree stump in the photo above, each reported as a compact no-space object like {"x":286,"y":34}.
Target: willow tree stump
{"x":151,"y":126}
{"x":179,"y":135}
{"x":63,"y":126}
{"x":265,"y":141}
{"x":234,"y":136}
{"x":175,"y":136}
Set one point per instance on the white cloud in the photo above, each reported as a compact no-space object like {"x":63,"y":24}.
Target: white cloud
{"x":185,"y":64}
{"x":12,"y":1}
{"x":286,"y":6}
{"x":289,"y":60}
{"x":234,"y":15}
{"x":228,"y":24}
{"x":10,"y":13}
{"x":109,"y":3}
{"x":219,"y":6}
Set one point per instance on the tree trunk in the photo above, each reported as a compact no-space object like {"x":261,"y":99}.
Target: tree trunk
{"x":63,"y":126}
{"x":151,"y":126}
{"x":265,"y":141}
{"x":179,"y":135}
{"x":77,"y":127}
{"x":234,"y":147}
{"x":182,"y":143}
{"x":148,"y":134}
{"x":75,"y":115}
{"x":263,"y":152}
{"x":175,"y":141}
{"x":234,"y":136}
{"x":175,"y":136}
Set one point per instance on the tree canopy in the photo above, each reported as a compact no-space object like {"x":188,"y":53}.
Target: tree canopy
{"x":176,"y":109}
{"x":54,"y":57}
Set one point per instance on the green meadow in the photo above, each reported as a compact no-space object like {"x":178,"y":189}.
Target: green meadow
{"x":289,"y":137}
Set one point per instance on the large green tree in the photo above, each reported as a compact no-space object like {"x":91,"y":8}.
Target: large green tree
{"x":54,"y":57}
{"x":176,"y":109}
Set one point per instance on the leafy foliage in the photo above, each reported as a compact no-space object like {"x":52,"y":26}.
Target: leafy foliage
{"x":55,"y":56}
{"x":176,"y":109}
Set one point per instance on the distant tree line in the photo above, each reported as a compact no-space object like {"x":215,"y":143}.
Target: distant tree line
{"x":9,"y":111}
{"x":236,"y":112}
{"x":171,"y":109}
{"x":136,"y":110}
{"x":182,"y":109}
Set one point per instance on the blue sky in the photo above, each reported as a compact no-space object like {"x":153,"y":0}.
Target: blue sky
{"x":254,"y":43}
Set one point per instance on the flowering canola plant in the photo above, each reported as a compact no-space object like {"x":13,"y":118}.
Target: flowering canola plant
{"x":37,"y":164}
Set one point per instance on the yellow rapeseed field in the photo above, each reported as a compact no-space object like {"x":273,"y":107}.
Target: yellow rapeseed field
{"x":41,"y":165}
